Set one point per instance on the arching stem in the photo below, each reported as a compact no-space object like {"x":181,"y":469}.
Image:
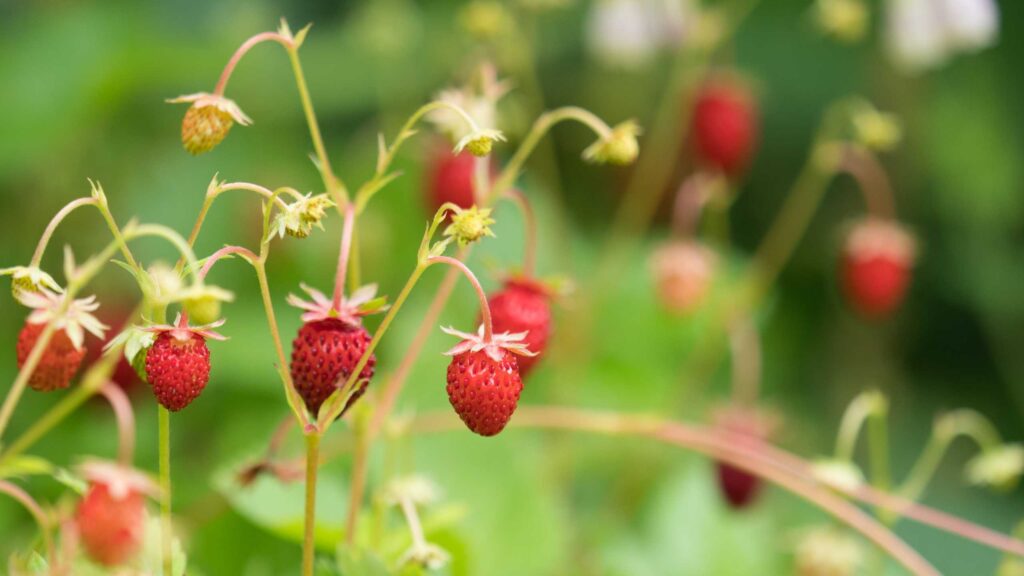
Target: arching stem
{"x":529,"y":231}
{"x":37,"y":513}
{"x":59,"y":217}
{"x":343,"y":256}
{"x":746,"y":362}
{"x":242,"y":50}
{"x":872,"y":180}
{"x":485,"y":309}
{"x":125,"y":421}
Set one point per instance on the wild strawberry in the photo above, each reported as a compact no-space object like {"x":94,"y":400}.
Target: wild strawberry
{"x":483,"y":379}
{"x":683,"y":272}
{"x":178,"y":363}
{"x":111,"y":516}
{"x":29,"y":279}
{"x":450,"y":179}
{"x":208,"y":120}
{"x":64,"y":353}
{"x":876,"y":264}
{"x":523,"y":305}
{"x":742,"y":427}
{"x":725,"y":125}
{"x":330,"y":344}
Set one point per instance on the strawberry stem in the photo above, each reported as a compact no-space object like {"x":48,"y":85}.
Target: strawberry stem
{"x":343,"y":257}
{"x":37,"y":513}
{"x":125,"y":421}
{"x":529,"y":232}
{"x":872,"y":180}
{"x":309,"y":532}
{"x":746,"y":363}
{"x":485,"y":309}
{"x":166,"y":527}
{"x":225,"y":75}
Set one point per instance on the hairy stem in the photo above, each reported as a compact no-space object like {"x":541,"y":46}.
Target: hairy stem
{"x":343,"y":257}
{"x":333,"y":184}
{"x":59,"y":217}
{"x":125,"y":421}
{"x":309,"y":532}
{"x":485,"y":309}
{"x":225,"y":75}
{"x":166,"y":527}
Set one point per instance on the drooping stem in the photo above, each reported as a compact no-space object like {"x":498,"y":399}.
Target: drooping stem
{"x":166,"y":526}
{"x":343,"y":256}
{"x":691,"y":198}
{"x":746,"y":362}
{"x":224,"y":253}
{"x":412,"y":519}
{"x":872,"y":180}
{"x":125,"y":421}
{"x":541,"y":126}
{"x":485,"y":309}
{"x":37,"y":513}
{"x":309,"y":532}
{"x":865,"y":406}
{"x":529,"y":231}
{"x":481,"y":178}
{"x":947,"y":429}
{"x":225,"y":75}
{"x":59,"y":217}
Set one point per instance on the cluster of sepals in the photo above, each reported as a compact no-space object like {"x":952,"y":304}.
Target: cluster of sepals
{"x":332,"y":360}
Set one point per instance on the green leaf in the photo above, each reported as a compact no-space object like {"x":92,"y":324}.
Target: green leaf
{"x":25,"y":466}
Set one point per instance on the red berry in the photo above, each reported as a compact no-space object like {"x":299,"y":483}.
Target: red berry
{"x":523,"y":306}
{"x":324,"y":353}
{"x":739,"y":488}
{"x":725,"y":125}
{"x":451,"y":180}
{"x":178,"y":368}
{"x":484,"y":391}
{"x":60,"y":360}
{"x":876,"y":265}
{"x":746,"y":427}
{"x":111,"y":527}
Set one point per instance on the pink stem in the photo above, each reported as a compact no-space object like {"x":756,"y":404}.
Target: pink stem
{"x":530,"y":231}
{"x":485,"y":309}
{"x":688,"y":205}
{"x":343,"y":255}
{"x":208,"y":264}
{"x":125,"y":421}
{"x":54,"y":222}
{"x":872,"y":180}
{"x":35,"y":510}
{"x":222,"y":83}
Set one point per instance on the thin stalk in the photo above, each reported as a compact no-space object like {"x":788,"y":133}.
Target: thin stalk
{"x":125,"y":421}
{"x":31,"y":362}
{"x":229,"y":68}
{"x":294,"y":402}
{"x":309,"y":532}
{"x":37,"y":513}
{"x":485,"y":309}
{"x":947,"y":429}
{"x":333,"y":184}
{"x":746,"y":363}
{"x":872,"y":180}
{"x":865,"y":406}
{"x":529,"y":231}
{"x":361,"y":441}
{"x":166,"y":527}
{"x":343,"y":256}
{"x":59,"y":217}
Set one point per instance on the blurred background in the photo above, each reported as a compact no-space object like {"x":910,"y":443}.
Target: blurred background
{"x":83,"y":97}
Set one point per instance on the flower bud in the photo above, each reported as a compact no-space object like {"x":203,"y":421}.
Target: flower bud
{"x":877,"y":130}
{"x":203,"y":303}
{"x":29,"y":279}
{"x":470,"y":225}
{"x":619,"y":148}
{"x":479,"y":142}
{"x":999,"y":468}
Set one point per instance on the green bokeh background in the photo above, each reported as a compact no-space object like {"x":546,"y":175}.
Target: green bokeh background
{"x":82,"y":97}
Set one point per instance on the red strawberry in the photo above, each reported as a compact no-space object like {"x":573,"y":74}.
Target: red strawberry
{"x":876,"y":264}
{"x":450,"y":180}
{"x":178,"y":363}
{"x":483,"y":379}
{"x":111,"y":516}
{"x":744,"y":427}
{"x":725,"y":125}
{"x":683,"y":273}
{"x":330,"y":344}
{"x":63,"y":354}
{"x":523,"y":305}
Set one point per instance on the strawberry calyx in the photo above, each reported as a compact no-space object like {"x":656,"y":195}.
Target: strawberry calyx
{"x":120,"y":481}
{"x":183,"y":332}
{"x":493,"y":348}
{"x":204,"y":99}
{"x":362,"y":302}
{"x":76,"y":320}
{"x":874,"y":236}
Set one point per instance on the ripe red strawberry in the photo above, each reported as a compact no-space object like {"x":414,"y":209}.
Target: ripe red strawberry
{"x":330,"y":344}
{"x":483,"y":379}
{"x":725,"y":125}
{"x":683,"y":272}
{"x":523,"y":305}
{"x":111,"y":516}
{"x":450,"y":179}
{"x":63,"y":355}
{"x":739,"y":488}
{"x":178,"y":363}
{"x":876,"y":265}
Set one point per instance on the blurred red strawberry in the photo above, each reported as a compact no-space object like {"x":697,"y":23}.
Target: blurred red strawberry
{"x":725,"y":125}
{"x":876,"y":265}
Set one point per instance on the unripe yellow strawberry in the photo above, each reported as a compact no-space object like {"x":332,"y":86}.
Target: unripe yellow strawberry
{"x":203,"y":128}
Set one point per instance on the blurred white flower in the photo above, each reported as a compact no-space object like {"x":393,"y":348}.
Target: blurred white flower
{"x":629,"y":33}
{"x":924,"y":34}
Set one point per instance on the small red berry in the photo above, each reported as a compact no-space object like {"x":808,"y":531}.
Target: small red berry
{"x":111,"y":528}
{"x":178,"y":368}
{"x":743,"y":427}
{"x":324,"y":353}
{"x":739,"y":488}
{"x":483,"y":379}
{"x":683,"y":272}
{"x":59,"y":363}
{"x":330,"y":345}
{"x":450,"y":179}
{"x":523,"y":306}
{"x":876,"y":265}
{"x":725,"y":125}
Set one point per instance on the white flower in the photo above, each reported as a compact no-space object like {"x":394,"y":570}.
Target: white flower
{"x":923,"y":34}
{"x":629,"y":33}
{"x":75,"y":321}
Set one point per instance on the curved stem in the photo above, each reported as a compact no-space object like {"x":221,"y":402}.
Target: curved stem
{"x":309,"y":532}
{"x":872,"y":180}
{"x":37,"y":513}
{"x":294,"y":402}
{"x":529,"y":230}
{"x":261,"y":190}
{"x":59,"y":217}
{"x":485,"y":309}
{"x":175,"y":239}
{"x":222,"y":82}
{"x":864,"y":406}
{"x":361,"y":447}
{"x":125,"y":421}
{"x":223,"y":253}
{"x":541,"y":126}
{"x":115,"y":230}
{"x":719,"y":448}
{"x":690,"y":200}
{"x":947,"y":429}
{"x":343,"y":255}
{"x":166,"y":527}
